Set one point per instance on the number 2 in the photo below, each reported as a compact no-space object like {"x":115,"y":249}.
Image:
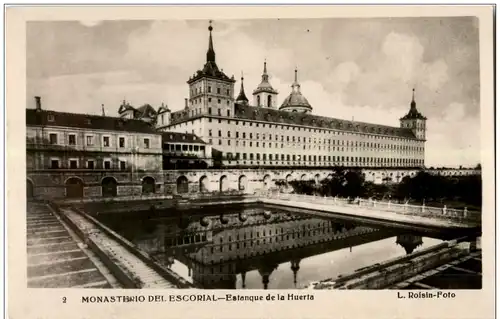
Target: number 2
{"x":64,"y":300}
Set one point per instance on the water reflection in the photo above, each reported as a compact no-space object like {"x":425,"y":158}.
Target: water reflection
{"x":255,"y":248}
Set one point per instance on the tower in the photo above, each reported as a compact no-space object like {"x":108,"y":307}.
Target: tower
{"x":163,"y":118}
{"x":296,"y":102}
{"x":242,"y":98}
{"x":210,"y":90}
{"x":265,"y":95}
{"x":414,"y":120}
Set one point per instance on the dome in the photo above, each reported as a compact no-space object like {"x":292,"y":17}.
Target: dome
{"x":295,"y":99}
{"x":296,"y":102}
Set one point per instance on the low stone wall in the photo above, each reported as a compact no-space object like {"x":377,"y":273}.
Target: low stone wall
{"x":395,"y":270}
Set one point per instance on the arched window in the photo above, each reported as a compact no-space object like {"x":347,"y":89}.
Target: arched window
{"x":269,"y":101}
{"x":258,"y":100}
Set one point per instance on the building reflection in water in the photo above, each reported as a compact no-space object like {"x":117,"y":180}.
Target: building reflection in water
{"x":219,"y":251}
{"x":409,"y":242}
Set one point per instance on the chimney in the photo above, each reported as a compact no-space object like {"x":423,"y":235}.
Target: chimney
{"x":186,"y":103}
{"x":38,"y":103}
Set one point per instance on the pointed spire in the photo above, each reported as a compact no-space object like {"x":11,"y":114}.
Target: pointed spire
{"x":296,"y":85}
{"x":210,"y":52}
{"x":413,"y":104}
{"x":242,"y":98}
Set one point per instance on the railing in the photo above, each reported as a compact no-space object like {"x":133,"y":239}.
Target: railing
{"x":464,"y":215}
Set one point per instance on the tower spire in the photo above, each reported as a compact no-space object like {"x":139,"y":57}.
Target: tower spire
{"x":210,"y":52}
{"x":242,"y":98}
{"x":296,"y":85}
{"x":413,"y":104}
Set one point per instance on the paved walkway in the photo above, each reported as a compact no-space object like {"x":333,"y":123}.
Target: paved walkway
{"x":359,"y":211}
{"x":128,"y":263}
{"x":55,"y":258}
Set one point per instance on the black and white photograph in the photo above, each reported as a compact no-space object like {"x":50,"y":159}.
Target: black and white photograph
{"x":252,"y":154}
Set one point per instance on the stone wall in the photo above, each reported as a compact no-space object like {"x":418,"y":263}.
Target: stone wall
{"x":51,"y":183}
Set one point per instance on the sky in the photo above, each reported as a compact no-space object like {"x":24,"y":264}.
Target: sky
{"x":348,"y":68}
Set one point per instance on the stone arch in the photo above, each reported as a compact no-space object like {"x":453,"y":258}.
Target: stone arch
{"x":30,"y":189}
{"x":223,"y":183}
{"x":204,"y":184}
{"x":74,"y":187}
{"x":242,"y":183}
{"x":288,"y":178}
{"x":303,"y":177}
{"x":109,"y":186}
{"x":148,"y":185}
{"x":267,"y":181}
{"x":182,"y":185}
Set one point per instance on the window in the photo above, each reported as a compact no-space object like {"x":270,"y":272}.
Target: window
{"x":73,"y":164}
{"x":209,"y":89}
{"x":220,"y":133}
{"x":209,"y":132}
{"x":123,"y":165}
{"x":210,"y":111}
{"x":122,"y":142}
{"x":107,"y":164}
{"x":146,"y":143}
{"x":218,"y":90}
{"x":90,"y":164}
{"x":209,"y":99}
{"x":228,"y":113}
{"x":50,"y":118}
{"x":53,"y":138}
{"x":218,"y":101}
{"x":219,"y":111}
{"x":72,"y":139}
{"x":54,"y":163}
{"x":105,"y":141}
{"x":90,"y":140}
{"x":237,"y":134}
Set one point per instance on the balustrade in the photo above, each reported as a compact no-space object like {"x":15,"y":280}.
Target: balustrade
{"x":388,"y":206}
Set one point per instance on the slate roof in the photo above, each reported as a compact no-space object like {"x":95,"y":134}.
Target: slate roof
{"x":86,"y":121}
{"x":295,"y":99}
{"x":271,"y":115}
{"x":174,"y":137}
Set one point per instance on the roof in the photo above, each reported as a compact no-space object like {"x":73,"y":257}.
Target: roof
{"x":174,"y":137}
{"x":86,"y":121}
{"x":413,"y":114}
{"x":163,"y":108}
{"x":295,"y":99}
{"x":242,"y":97}
{"x":210,"y":70}
{"x":146,"y":111}
{"x":271,"y":115}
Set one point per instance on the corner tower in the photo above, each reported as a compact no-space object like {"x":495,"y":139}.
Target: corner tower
{"x":414,"y":120}
{"x":296,"y":102}
{"x":265,"y":95}
{"x":210,"y":90}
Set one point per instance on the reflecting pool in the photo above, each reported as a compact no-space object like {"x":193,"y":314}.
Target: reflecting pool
{"x":259,"y":248}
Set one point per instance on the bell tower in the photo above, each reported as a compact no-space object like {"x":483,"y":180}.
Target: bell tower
{"x":265,"y":95}
{"x":211,"y":91}
{"x":414,"y":120}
